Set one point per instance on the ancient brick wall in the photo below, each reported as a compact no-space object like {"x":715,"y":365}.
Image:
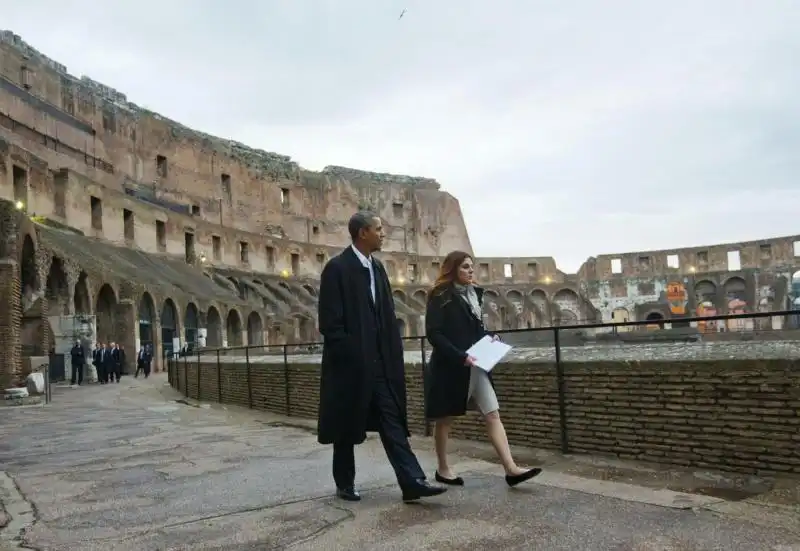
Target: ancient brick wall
{"x":10,"y":322}
{"x":729,"y":415}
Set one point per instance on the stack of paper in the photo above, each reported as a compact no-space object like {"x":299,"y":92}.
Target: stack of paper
{"x":488,"y":352}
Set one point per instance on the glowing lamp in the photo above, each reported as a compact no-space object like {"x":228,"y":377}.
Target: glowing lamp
{"x":20,"y":205}
{"x":285,"y":273}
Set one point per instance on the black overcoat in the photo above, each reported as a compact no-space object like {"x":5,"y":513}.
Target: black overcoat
{"x":360,"y":338}
{"x":452,"y":329}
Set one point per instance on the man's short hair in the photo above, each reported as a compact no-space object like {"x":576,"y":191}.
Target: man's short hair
{"x":360,"y":220}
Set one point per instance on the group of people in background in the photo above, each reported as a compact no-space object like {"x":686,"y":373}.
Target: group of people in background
{"x":108,"y":361}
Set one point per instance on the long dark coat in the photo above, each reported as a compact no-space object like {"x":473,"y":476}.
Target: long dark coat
{"x":360,"y":338}
{"x":452,"y":329}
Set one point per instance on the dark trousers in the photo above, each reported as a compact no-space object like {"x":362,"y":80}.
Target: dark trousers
{"x":77,"y":373}
{"x":114,"y":371}
{"x":102,"y":374}
{"x":394,"y":440}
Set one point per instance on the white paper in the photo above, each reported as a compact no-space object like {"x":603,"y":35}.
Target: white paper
{"x":488,"y":353}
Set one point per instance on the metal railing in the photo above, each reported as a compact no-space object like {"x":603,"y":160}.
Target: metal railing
{"x":602,"y":337}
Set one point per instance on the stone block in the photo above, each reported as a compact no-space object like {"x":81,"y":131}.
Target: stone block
{"x":35,"y":383}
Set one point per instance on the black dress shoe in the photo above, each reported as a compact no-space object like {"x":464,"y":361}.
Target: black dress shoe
{"x":421,"y":488}
{"x":457,"y":481}
{"x":348,"y":494}
{"x":514,"y":479}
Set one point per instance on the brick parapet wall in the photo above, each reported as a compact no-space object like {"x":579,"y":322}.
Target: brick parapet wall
{"x":10,"y":323}
{"x":735,"y":415}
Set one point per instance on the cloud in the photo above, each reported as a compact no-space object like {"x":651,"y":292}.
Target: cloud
{"x":565,"y":129}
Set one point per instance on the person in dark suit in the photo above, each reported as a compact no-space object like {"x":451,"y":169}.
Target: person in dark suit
{"x":453,"y":323}
{"x":362,"y":383}
{"x":114,"y":368}
{"x":78,"y":359}
{"x":99,"y":361}
{"x":143,"y":361}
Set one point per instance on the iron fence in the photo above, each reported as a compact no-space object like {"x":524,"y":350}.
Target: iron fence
{"x":705,"y":337}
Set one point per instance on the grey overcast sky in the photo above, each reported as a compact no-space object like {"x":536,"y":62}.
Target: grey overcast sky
{"x":566,"y":128}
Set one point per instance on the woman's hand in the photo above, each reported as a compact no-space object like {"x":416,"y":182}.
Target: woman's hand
{"x":495,"y":338}
{"x":470,"y":361}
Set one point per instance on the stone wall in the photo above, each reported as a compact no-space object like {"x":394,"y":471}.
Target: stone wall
{"x":736,"y":415}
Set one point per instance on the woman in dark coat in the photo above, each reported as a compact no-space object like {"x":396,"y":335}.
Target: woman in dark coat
{"x":453,"y":323}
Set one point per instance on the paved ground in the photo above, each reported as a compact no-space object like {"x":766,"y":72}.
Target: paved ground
{"x":125,"y":467}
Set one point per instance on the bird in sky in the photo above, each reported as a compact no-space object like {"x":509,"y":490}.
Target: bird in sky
{"x":401,"y":15}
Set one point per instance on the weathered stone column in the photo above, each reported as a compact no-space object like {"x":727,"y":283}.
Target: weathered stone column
{"x":10,"y":322}
{"x":125,"y":330}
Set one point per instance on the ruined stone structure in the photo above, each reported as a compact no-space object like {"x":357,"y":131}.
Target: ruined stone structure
{"x":118,"y":224}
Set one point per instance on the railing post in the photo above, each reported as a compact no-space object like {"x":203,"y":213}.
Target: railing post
{"x":249,"y":380}
{"x":185,"y":377}
{"x":562,"y":398}
{"x":198,"y":375}
{"x":424,"y":393}
{"x":219,"y":378}
{"x":286,"y":378}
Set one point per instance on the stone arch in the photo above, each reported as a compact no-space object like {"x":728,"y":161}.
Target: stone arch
{"x":169,"y":326}
{"x":402,"y":327}
{"x":399,"y":295}
{"x":310,"y":288}
{"x":57,"y":289}
{"x":29,"y":276}
{"x":147,"y":321}
{"x":656,"y":318}
{"x":492,"y":309}
{"x":567,"y":305}
{"x":81,"y":301}
{"x":620,"y":315}
{"x":191,"y":325}
{"x":517,"y":301}
{"x":106,"y":311}
{"x":541,"y":306}
{"x":213,"y":328}
{"x":285,"y":287}
{"x":705,"y":291}
{"x":735,"y":289}
{"x":421,"y":296}
{"x":233,"y":328}
{"x":255,"y":329}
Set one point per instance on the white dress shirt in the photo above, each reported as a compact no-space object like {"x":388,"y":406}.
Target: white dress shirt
{"x":367,"y":262}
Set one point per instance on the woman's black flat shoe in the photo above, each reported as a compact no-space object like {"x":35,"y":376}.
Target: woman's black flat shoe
{"x":514,"y":479}
{"x":457,"y":481}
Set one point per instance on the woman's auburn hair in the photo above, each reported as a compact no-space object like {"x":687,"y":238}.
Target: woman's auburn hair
{"x":448,"y":272}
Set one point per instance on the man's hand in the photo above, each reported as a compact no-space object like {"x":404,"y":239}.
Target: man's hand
{"x":470,"y":361}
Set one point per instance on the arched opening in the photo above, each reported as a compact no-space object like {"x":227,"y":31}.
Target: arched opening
{"x":705,"y":291}
{"x":517,"y":301}
{"x":421,"y":297}
{"x":29,"y":279}
{"x":233,"y":326}
{"x":305,"y":330}
{"x":492,"y":310}
{"x":169,"y":327}
{"x":213,"y":328}
{"x":147,"y":317}
{"x":568,"y":306}
{"x":401,"y":326}
{"x":191,"y":326}
{"x":285,"y":286}
{"x":81,"y":300}
{"x":255,"y":330}
{"x":106,"y":311}
{"x":656,"y":318}
{"x":57,"y":290}
{"x":310,"y":289}
{"x":541,"y":307}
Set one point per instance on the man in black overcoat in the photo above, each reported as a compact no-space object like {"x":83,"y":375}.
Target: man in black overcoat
{"x":362,"y":384}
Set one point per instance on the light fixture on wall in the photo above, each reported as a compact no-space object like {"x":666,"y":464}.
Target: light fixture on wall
{"x":400,"y":280}
{"x":284,"y":273}
{"x":202,"y":257}
{"x":547,"y":279}
{"x":20,"y":205}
